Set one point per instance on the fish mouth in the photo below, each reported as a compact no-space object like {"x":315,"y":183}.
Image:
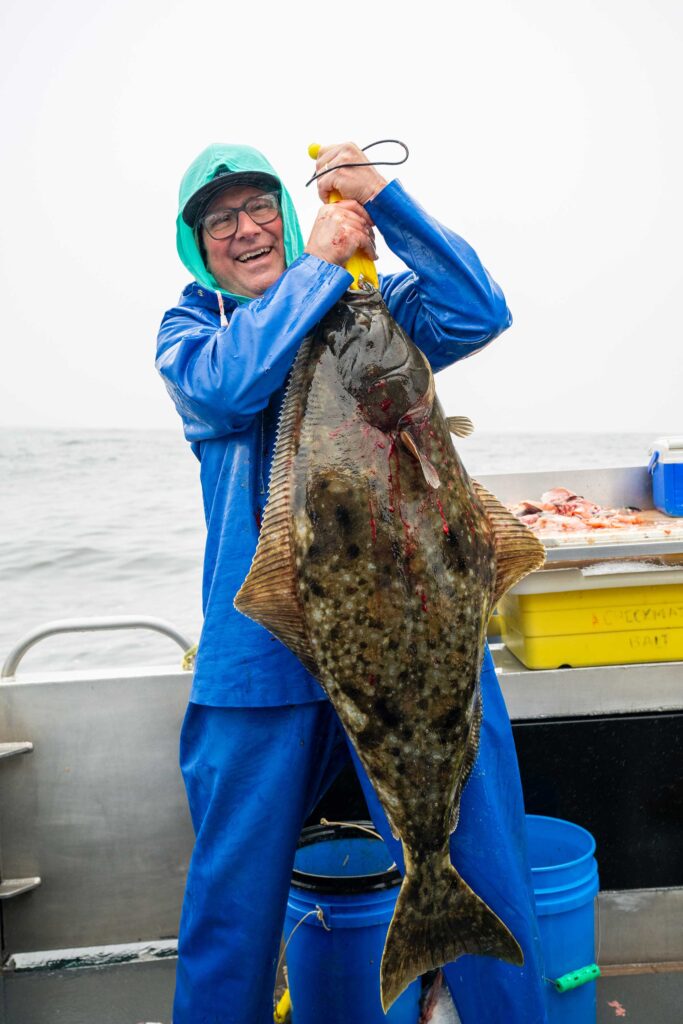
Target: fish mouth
{"x":253,"y":255}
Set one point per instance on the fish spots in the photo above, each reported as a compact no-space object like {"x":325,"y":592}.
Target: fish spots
{"x":343,"y":516}
{"x":354,"y":693}
{"x":371,"y":738}
{"x":387,"y":715}
{"x":353,"y":551}
{"x":449,"y":720}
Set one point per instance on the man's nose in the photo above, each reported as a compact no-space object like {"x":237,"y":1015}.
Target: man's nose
{"x":245,"y":225}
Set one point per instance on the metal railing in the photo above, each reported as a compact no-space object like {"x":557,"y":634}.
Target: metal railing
{"x":103,"y":622}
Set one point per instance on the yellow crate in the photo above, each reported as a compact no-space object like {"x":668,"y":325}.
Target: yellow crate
{"x":495,"y":627}
{"x":606,"y":626}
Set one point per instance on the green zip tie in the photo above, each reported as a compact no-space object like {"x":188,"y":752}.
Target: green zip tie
{"x":574,"y":979}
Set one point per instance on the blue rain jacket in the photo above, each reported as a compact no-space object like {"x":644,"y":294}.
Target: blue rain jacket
{"x":227,"y":383}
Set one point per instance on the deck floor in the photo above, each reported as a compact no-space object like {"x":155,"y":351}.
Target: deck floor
{"x":132,"y":993}
{"x":648,"y":998}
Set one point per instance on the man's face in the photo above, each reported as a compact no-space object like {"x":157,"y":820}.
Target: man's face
{"x":226,"y":259}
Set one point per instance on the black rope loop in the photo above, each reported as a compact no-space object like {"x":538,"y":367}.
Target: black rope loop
{"x":369,"y":163}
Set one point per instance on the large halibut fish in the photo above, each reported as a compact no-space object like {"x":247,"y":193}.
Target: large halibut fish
{"x":379,"y":563}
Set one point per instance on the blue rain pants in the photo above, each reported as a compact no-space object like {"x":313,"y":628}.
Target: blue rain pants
{"x":253,"y":775}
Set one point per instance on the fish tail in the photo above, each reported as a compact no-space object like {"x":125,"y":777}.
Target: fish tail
{"x":437,"y":919}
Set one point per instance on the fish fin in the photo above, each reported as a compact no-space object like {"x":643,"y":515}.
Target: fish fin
{"x":437,"y":919}
{"x":470,"y":757}
{"x":518,"y":551}
{"x":455,"y":814}
{"x":269,"y":594}
{"x":461,"y":426}
{"x":428,"y":471}
{"x":394,"y":831}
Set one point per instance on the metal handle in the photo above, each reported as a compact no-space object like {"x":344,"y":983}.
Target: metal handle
{"x":88,"y":625}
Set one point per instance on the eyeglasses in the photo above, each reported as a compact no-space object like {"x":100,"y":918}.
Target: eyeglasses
{"x":222,"y":224}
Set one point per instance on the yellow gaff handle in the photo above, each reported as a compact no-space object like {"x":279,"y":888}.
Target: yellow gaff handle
{"x":359,"y":265}
{"x":283,"y":1010}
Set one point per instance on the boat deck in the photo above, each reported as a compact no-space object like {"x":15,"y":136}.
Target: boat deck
{"x":143,"y":993}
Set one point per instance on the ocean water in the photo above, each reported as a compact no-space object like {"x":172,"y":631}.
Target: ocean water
{"x":110,"y":523}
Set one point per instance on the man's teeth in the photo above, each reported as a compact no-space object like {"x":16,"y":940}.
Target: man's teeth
{"x":253,"y":255}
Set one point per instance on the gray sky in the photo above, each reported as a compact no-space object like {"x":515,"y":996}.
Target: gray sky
{"x":548,"y":134}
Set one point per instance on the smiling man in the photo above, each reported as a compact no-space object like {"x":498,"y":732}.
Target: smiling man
{"x":260,"y":741}
{"x":245,"y":254}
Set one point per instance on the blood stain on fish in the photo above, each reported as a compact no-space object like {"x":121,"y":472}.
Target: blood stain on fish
{"x":443,"y":517}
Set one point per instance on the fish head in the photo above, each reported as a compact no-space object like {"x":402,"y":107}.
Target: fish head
{"x":377,"y":362}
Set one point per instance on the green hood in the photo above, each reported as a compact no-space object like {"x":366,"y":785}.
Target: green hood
{"x":203,"y":170}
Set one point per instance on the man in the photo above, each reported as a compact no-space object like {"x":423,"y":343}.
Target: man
{"x":260,"y":742}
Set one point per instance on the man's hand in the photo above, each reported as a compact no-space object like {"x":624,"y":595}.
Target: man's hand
{"x":339,"y":230}
{"x":359,"y":183}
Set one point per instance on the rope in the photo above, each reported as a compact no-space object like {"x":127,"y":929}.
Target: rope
{"x":221,"y":309}
{"x":351,"y":824}
{"x":361,"y":828}
{"x":318,"y":912}
{"x":368,"y":163}
{"x":599,"y":930}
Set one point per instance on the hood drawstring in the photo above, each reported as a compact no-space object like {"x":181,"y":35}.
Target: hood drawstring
{"x":221,"y":309}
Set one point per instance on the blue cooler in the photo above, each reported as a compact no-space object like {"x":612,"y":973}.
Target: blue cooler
{"x":666,"y":469}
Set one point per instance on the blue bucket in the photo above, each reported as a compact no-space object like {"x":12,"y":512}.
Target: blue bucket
{"x":565,"y":878}
{"x":346,"y":877}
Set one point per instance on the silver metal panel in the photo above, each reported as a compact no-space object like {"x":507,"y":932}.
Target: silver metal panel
{"x":640,"y":926}
{"x":618,"y":549}
{"x":98,"y":811}
{"x":599,"y":690}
